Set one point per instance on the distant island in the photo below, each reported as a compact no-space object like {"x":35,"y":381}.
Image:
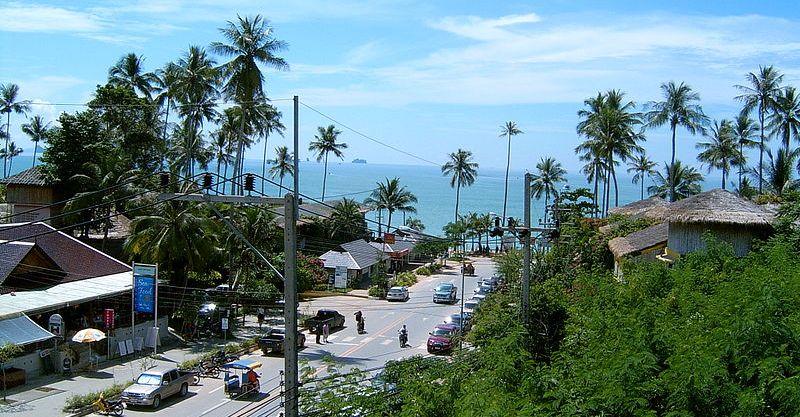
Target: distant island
{"x":359,"y":161}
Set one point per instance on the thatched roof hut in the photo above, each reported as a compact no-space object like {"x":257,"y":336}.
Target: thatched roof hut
{"x":727,"y":216}
{"x":638,"y":242}
{"x":653,"y":208}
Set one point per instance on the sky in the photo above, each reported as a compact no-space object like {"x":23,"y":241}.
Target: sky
{"x":424,"y":77}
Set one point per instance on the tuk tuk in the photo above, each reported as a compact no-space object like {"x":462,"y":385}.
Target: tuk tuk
{"x":241,"y":378}
{"x":467,"y":268}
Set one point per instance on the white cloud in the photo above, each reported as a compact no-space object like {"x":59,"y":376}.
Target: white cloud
{"x":475,"y":27}
{"x":19,"y":17}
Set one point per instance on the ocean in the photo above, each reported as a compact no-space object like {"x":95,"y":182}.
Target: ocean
{"x":436,"y":199}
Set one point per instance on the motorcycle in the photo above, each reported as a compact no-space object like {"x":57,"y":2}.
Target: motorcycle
{"x":221,"y":358}
{"x":109,"y":407}
{"x":361,"y":326}
{"x":403,"y":339}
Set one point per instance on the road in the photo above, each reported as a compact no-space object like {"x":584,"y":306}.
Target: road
{"x":377,"y":346}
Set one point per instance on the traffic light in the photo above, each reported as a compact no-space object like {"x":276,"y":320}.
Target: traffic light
{"x":249,"y":182}
{"x":163,"y":179}
{"x":207,"y":179}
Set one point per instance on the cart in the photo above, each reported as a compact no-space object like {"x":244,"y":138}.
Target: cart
{"x":467,"y":268}
{"x":236,"y":383}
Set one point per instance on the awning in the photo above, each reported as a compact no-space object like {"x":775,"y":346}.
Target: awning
{"x":22,"y":331}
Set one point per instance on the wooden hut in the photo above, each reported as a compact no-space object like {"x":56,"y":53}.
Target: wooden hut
{"x":725,"y":215}
{"x":30,"y":196}
{"x":645,"y":244}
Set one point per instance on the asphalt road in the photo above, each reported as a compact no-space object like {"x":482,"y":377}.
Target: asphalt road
{"x":377,"y":346}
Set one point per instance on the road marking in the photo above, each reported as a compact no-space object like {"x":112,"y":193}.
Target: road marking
{"x":386,"y":342}
{"x":349,"y":339}
{"x":425,"y":318}
{"x":215,"y":407}
{"x":388,"y":327}
{"x":216,"y":389}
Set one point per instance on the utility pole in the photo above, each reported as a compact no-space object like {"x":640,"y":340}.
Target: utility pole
{"x":290,"y":306}
{"x":526,"y":241}
{"x":296,"y":175}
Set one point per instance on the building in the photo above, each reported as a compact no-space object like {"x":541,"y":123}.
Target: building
{"x":30,"y":196}
{"x":646,"y":244}
{"x":359,"y":257}
{"x":399,"y":252}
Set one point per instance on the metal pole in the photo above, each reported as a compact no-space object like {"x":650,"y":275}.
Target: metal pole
{"x":526,"y":262}
{"x":296,"y":176}
{"x":133,"y":304}
{"x":290,"y":306}
{"x":155,"y":313}
{"x":461,"y":336}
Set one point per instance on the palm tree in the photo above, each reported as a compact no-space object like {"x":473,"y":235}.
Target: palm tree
{"x":722,"y":150}
{"x":392,"y":197}
{"x":643,"y":167}
{"x":761,"y":94}
{"x":166,"y":84}
{"x":269,"y":123}
{"x":744,"y":130}
{"x":129,"y":72}
{"x":784,"y":122}
{"x":37,"y":129}
{"x":346,"y":221}
{"x":10,"y":153}
{"x":8,"y":105}
{"x":325,"y":143}
{"x":224,"y":140}
{"x":462,"y":171}
{"x":283,"y":165}
{"x":415,"y":224}
{"x":677,"y":109}
{"x":685,"y":181}
{"x":548,"y":173}
{"x":508,"y":130}
{"x":251,"y":42}
{"x":779,"y":173}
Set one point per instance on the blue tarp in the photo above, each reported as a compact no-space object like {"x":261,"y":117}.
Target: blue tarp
{"x":22,"y":331}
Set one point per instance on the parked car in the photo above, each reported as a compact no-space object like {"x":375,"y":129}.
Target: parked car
{"x":483,"y":288}
{"x":445,"y":292}
{"x":470,"y":306}
{"x":397,"y":293}
{"x":492,"y":282}
{"x":332,"y":317}
{"x":157,"y":384}
{"x":274,"y":341}
{"x":479,"y":296}
{"x":462,"y":323}
{"x":441,"y":338}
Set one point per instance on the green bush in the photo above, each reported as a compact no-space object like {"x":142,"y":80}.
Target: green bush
{"x":423,"y":270}
{"x":79,"y":401}
{"x":375,"y":291}
{"x":406,"y":279}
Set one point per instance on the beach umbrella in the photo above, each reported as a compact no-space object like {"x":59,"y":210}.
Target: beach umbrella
{"x":89,"y":336}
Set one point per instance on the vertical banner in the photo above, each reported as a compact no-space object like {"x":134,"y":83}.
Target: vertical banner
{"x":340,"y":277}
{"x":144,"y":288}
{"x":108,"y":318}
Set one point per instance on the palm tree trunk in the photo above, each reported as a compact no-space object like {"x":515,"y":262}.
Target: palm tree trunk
{"x":8,"y":134}
{"x":616,"y":189}
{"x":280,"y":185}
{"x":35,"y":149}
{"x":217,"y":187}
{"x":458,"y":191}
{"x":723,"y":176}
{"x":225,"y":177}
{"x":546,"y":201}
{"x":389,"y":222}
{"x":741,"y":149}
{"x":264,"y":164}
{"x":164,"y":136}
{"x":642,"y":180}
{"x":325,"y":176}
{"x":760,"y":148}
{"x":596,"y":180}
{"x":508,"y":165}
{"x":672,"y":163}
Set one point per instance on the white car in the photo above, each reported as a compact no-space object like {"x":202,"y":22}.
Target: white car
{"x":470,"y":306}
{"x":397,"y":293}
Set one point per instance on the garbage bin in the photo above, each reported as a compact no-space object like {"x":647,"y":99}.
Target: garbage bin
{"x":66,"y":366}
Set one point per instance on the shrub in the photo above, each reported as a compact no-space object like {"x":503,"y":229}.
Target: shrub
{"x":76,"y":402}
{"x":406,"y":279}
{"x":375,"y":291}
{"x":423,"y":270}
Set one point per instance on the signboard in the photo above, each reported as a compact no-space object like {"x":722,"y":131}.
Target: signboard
{"x":144,"y":288}
{"x":388,"y":238}
{"x":224,"y":324}
{"x":340,"y":277}
{"x":108,"y":318}
{"x":56,"y":325}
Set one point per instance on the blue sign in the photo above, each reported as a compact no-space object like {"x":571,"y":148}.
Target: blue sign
{"x":144,"y":293}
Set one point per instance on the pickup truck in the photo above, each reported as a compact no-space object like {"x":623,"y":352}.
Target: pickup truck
{"x":157,"y":384}
{"x":274,"y":341}
{"x":332,"y":317}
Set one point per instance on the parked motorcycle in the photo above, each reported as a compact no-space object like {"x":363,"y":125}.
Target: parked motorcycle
{"x":221,"y":358}
{"x":109,"y":407}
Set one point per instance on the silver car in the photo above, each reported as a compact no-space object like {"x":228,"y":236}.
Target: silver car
{"x":397,"y":293}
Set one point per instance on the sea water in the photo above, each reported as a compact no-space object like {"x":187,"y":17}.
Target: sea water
{"x":436,"y":198}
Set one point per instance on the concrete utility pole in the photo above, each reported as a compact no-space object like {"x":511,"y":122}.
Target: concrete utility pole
{"x":290,"y":306}
{"x":296,"y":174}
{"x":526,"y":262}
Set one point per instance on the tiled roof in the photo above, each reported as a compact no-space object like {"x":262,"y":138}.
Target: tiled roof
{"x":332,"y":259}
{"x":32,"y":176}
{"x":77,"y":260}
{"x":363,"y":253}
{"x":12,"y":254}
{"x":639,"y":241}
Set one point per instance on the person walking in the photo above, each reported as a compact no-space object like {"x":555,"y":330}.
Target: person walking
{"x":260,"y":317}
{"x":318,"y":331}
{"x":326,"y":330}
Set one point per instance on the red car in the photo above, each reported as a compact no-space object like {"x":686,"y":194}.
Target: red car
{"x":441,"y":338}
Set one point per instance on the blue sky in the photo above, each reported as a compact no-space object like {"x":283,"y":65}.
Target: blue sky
{"x":427,"y":77}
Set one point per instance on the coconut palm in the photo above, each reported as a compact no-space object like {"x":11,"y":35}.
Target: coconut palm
{"x":684,"y":181}
{"x":37,"y":129}
{"x":548,"y":173}
{"x":744,"y":131}
{"x":721,"y":151}
{"x":643,"y":167}
{"x":283,"y":165}
{"x":129,"y":72}
{"x":779,"y":171}
{"x":392,"y":197}
{"x":784,"y":122}
{"x":346,"y":221}
{"x":462,"y":171}
{"x":9,"y":104}
{"x":251,"y":42}
{"x":508,"y":130}
{"x":269,"y":122}
{"x":325,"y":143}
{"x":677,"y":109}
{"x":415,"y":224}
{"x":761,"y":94}
{"x":224,"y":140}
{"x":10,"y":153}
{"x":165,"y":83}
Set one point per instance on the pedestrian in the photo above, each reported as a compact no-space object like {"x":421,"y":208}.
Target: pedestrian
{"x":318,"y":331}
{"x":325,"y":332}
{"x":260,"y":317}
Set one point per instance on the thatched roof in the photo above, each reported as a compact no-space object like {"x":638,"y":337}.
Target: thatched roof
{"x":654,"y":208}
{"x":639,"y":241}
{"x":721,"y":207}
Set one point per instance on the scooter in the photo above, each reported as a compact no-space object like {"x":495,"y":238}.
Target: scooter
{"x":403,"y":339}
{"x":115,"y":407}
{"x":360,"y":326}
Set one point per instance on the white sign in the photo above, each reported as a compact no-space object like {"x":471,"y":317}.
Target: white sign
{"x":56,"y":325}
{"x":224,"y":324}
{"x":340,"y":278}
{"x":123,"y":349}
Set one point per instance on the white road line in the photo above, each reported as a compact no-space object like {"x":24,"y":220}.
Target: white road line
{"x":216,"y":406}
{"x":217,"y":389}
{"x":332,"y":337}
{"x":425,"y":318}
{"x":386,"y":342}
{"x":368,"y":339}
{"x":349,"y":339}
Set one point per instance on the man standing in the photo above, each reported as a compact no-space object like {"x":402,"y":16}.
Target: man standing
{"x":318,"y":331}
{"x":260,"y":317}
{"x":326,"y":330}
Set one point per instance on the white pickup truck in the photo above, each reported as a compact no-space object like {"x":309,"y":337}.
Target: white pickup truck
{"x":157,"y":384}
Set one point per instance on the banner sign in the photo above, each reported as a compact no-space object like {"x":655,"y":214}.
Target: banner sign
{"x":388,"y":238}
{"x":108,"y":318}
{"x":340,"y":277}
{"x":144,"y":288}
